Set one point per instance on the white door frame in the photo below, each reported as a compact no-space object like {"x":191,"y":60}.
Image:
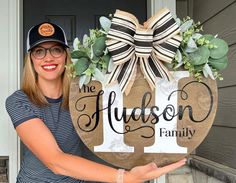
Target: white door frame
{"x":154,"y":5}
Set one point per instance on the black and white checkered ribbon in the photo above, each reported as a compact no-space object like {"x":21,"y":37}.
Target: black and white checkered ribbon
{"x":150,"y":44}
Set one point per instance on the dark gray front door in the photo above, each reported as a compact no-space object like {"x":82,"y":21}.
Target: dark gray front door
{"x":76,"y":17}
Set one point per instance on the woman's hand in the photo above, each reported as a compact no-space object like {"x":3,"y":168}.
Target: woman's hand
{"x":150,"y":171}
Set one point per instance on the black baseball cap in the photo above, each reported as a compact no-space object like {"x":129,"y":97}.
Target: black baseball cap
{"x":45,"y":32}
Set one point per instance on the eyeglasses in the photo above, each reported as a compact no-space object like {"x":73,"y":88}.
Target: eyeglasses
{"x":40,"y":52}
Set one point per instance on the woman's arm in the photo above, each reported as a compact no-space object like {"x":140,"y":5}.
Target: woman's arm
{"x":38,"y":138}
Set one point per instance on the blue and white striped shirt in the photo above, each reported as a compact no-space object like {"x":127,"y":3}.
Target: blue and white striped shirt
{"x":59,"y":122}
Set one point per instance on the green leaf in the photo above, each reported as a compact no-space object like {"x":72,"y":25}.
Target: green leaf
{"x":88,"y":72}
{"x":83,"y":80}
{"x":219,"y":64}
{"x":199,"y":68}
{"x":95,"y":60}
{"x":74,"y":60}
{"x":179,"y":57}
{"x":186,"y":25}
{"x":207,"y":71}
{"x":110,"y":65}
{"x":106,"y":51}
{"x":106,"y":59}
{"x":98,"y":75}
{"x":196,"y":36}
{"x":85,"y":40}
{"x":78,"y":54}
{"x":92,"y":66}
{"x":220,"y":50}
{"x":92,"y":34}
{"x":191,"y":43}
{"x":81,"y":65}
{"x":208,"y":37}
{"x":190,"y":50}
{"x":99,"y":46}
{"x":76,"y":44}
{"x":91,"y":52}
{"x":87,"y":80}
{"x":169,"y":66}
{"x":105,"y":23}
{"x":178,"y":21}
{"x":200,"y":56}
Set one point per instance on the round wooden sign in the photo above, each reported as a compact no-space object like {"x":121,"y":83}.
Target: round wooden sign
{"x":164,"y":125}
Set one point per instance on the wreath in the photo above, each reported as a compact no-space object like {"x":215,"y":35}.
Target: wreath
{"x":202,"y":55}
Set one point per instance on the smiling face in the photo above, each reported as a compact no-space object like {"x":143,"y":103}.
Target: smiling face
{"x":49,"y":61}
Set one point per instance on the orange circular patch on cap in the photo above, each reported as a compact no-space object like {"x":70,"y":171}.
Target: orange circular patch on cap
{"x":46,"y":29}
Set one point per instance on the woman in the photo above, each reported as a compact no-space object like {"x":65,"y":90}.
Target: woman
{"x":39,"y":112}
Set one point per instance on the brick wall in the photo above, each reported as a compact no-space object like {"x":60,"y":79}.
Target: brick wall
{"x":3,"y":171}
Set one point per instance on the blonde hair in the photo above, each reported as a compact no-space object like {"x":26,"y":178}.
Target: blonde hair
{"x":31,"y":88}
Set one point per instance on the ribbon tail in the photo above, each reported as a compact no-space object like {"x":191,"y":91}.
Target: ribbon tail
{"x":148,"y":73}
{"x":152,"y":68}
{"x":124,"y":74}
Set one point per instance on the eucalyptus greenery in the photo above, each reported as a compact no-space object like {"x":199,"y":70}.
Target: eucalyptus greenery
{"x":202,"y":55}
{"x":91,"y":58}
